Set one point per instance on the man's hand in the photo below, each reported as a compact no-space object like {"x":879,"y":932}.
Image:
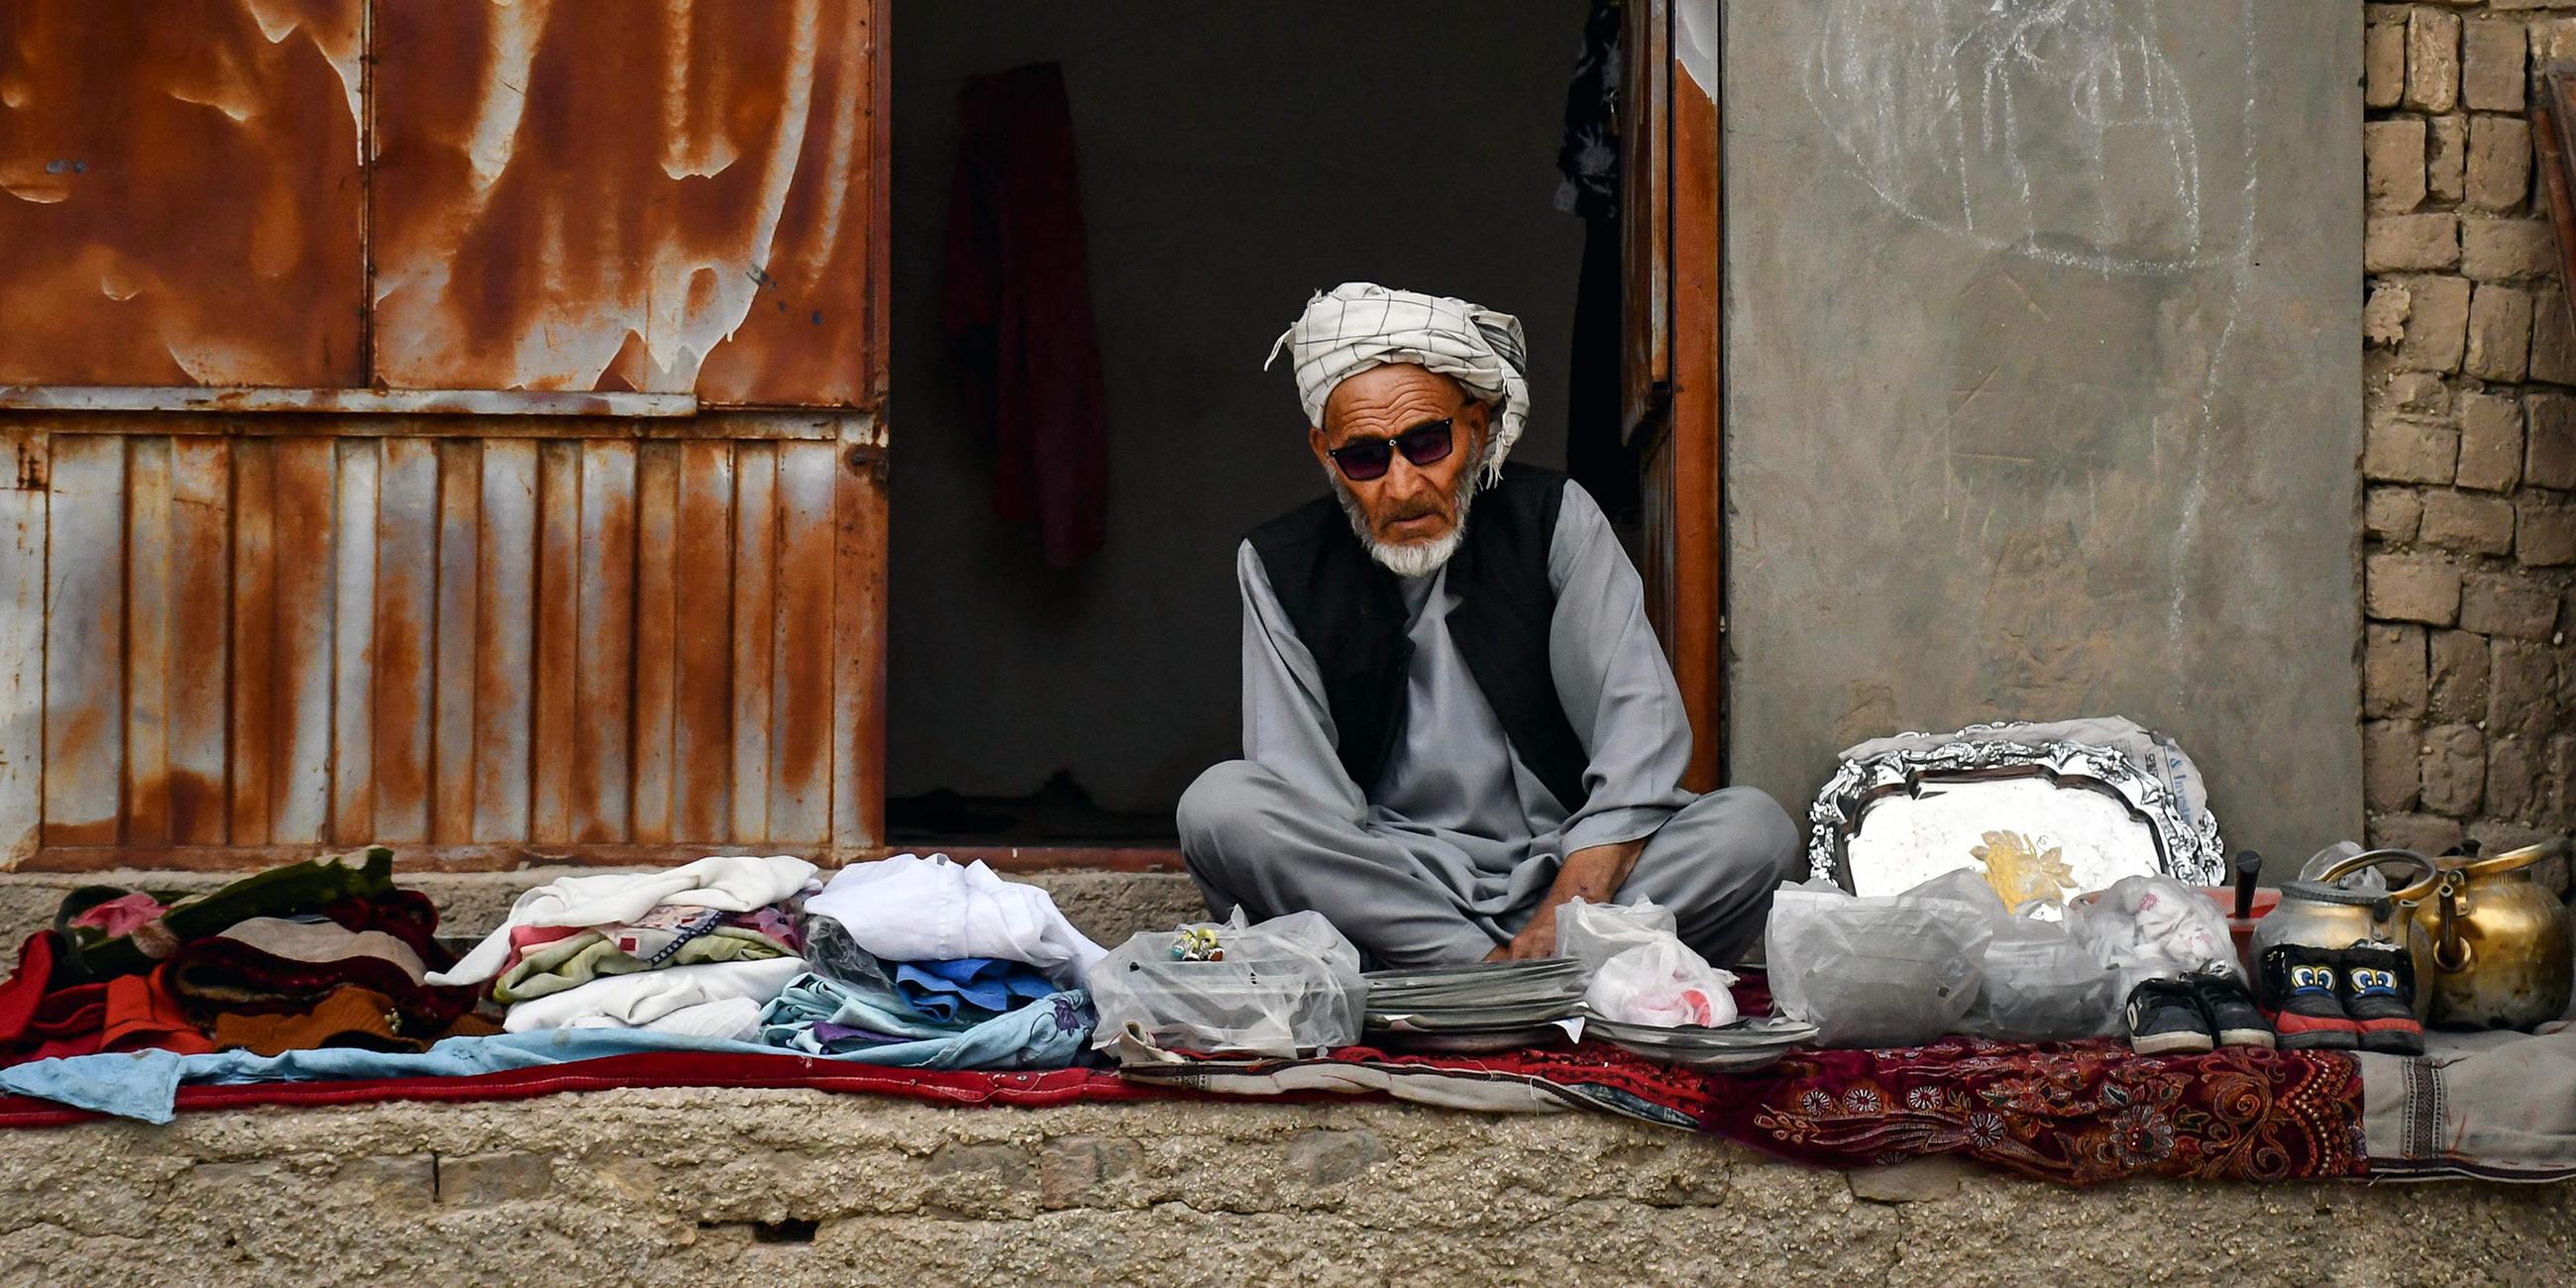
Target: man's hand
{"x":1594,"y":874}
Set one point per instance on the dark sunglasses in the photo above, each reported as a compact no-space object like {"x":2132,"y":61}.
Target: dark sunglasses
{"x":1362,"y":459}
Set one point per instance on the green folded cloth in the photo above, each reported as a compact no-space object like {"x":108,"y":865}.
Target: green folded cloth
{"x":296,"y":889}
{"x":578,"y":959}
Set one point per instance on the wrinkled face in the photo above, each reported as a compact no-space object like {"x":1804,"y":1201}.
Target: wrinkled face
{"x":1409,"y":506}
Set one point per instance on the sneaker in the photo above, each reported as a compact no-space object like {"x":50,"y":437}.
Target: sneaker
{"x":2379,"y":995}
{"x":2303,"y":997}
{"x":2165,"y":1019}
{"x":2232,"y":1014}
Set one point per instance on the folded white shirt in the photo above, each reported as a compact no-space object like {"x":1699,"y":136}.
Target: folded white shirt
{"x":731,"y":883}
{"x":646,"y":999}
{"x":911,"y":909}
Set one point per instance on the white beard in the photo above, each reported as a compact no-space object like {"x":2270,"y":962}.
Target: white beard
{"x":1409,"y":558}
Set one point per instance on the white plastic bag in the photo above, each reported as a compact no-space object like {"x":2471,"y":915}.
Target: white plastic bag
{"x":1662,"y":983}
{"x":1286,"y":986}
{"x":1887,"y":971}
{"x":1593,"y":933}
{"x":2154,"y":928}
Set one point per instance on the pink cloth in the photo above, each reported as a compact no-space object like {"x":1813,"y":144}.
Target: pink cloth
{"x":120,"y":916}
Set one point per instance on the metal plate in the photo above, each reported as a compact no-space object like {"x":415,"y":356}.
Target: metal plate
{"x":2039,"y":819}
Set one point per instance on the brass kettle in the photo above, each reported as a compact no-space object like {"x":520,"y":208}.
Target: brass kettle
{"x":2498,"y":941}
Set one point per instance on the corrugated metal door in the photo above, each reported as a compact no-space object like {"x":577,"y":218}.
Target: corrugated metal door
{"x":459,"y":620}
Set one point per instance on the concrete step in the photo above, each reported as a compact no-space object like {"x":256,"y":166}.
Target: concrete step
{"x":1106,"y":905}
{"x":697,"y":1187}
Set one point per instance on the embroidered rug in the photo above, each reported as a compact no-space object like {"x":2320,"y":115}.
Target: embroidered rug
{"x":2076,"y":1113}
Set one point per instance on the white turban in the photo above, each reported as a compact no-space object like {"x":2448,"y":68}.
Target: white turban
{"x":1360,"y":325}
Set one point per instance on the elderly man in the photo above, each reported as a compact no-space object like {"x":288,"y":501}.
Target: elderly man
{"x":1454,"y":724}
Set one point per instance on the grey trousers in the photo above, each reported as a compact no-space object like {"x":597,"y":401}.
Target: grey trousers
{"x":1251,"y":840}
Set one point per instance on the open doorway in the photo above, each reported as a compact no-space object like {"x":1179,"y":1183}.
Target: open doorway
{"x":1232,"y":159}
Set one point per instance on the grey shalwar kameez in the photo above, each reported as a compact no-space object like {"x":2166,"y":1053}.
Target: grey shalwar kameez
{"x":1452,"y":849}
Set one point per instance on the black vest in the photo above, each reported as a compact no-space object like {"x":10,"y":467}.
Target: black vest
{"x":1351,"y":617}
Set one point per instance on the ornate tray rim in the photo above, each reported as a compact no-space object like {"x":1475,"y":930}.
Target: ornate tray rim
{"x":2189,"y":852}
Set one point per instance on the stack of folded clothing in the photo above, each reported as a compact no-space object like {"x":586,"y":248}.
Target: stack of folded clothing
{"x":697,"y":949}
{"x":926,"y":963}
{"x":315,"y":954}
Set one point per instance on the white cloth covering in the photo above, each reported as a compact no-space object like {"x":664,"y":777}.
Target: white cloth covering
{"x":1360,"y":325}
{"x":732,"y":883}
{"x":673,"y":999}
{"x":911,"y":909}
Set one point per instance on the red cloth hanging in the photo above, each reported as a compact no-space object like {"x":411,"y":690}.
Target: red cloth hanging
{"x":1017,"y":308}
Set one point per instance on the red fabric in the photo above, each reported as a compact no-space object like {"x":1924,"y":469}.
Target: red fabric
{"x":655,"y":1069}
{"x":216,"y":975}
{"x":141,"y":1013}
{"x":25,"y":991}
{"x":38,"y":1020}
{"x":2077,"y":1112}
{"x":407,"y":915}
{"x":1017,"y":308}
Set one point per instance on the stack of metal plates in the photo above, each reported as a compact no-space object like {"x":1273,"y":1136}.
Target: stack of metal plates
{"x":1745,"y":1044}
{"x":1488,"y":1006}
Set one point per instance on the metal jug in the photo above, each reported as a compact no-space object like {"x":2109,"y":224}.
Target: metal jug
{"x":2499,"y":942}
{"x":2323,"y":914}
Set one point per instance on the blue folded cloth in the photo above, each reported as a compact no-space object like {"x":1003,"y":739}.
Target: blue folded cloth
{"x":816,"y":1014}
{"x":1051,"y":1033}
{"x":986,"y":983}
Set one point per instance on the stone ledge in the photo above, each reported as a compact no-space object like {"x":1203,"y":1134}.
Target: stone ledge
{"x":691,"y":1187}
{"x":1108,"y":906}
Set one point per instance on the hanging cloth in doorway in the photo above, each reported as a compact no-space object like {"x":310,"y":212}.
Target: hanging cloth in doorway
{"x":1597,"y":453}
{"x":1017,"y":309}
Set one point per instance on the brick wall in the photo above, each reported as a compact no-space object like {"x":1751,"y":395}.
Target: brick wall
{"x":2469,"y":570}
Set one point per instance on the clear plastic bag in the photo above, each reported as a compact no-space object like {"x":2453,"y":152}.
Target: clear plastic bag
{"x":1593,"y":933}
{"x":2041,"y":985}
{"x":1662,"y":983}
{"x":1887,"y":971}
{"x":2153,"y":928}
{"x":1286,"y":986}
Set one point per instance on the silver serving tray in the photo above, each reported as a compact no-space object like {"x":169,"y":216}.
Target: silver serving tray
{"x":1889,"y":822}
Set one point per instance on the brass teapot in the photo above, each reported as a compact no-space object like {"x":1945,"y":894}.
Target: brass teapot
{"x":2498,"y":941}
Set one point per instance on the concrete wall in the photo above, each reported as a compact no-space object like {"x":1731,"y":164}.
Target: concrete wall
{"x":1234,"y":158}
{"x":2044,"y":383}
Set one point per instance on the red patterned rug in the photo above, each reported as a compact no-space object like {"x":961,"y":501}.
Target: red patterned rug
{"x":2078,"y":1113}
{"x":2075,"y":1113}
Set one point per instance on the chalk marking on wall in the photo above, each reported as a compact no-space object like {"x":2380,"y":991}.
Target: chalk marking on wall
{"x":2186,"y":537}
{"x":1926,"y":99}
{"x":1893,"y":89}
